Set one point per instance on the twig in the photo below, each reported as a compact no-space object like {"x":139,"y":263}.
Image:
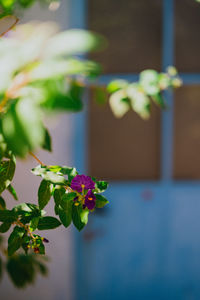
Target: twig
{"x":36,"y":158}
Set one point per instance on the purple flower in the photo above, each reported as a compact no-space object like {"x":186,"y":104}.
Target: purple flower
{"x":90,"y":200}
{"x":81,"y":182}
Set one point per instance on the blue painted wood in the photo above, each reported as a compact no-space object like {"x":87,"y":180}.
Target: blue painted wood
{"x":145,"y":244}
{"x":145,"y":249}
{"x":167,"y":115}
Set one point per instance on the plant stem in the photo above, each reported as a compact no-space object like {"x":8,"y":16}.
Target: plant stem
{"x":26,"y":227}
{"x":36,"y":158}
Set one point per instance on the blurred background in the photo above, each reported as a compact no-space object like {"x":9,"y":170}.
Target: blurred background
{"x":146,"y":243}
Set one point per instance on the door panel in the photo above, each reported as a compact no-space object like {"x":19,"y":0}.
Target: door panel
{"x":151,"y":251}
{"x":123,"y":149}
{"x":131,"y":28}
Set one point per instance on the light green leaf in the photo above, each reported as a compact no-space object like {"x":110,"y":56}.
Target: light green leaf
{"x":116,"y":85}
{"x":140,"y":102}
{"x":119,"y":103}
{"x":149,"y":82}
{"x":101,"y":201}
{"x":71,"y":42}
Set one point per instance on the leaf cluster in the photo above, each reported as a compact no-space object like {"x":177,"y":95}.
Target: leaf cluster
{"x":138,"y":95}
{"x":41,"y":72}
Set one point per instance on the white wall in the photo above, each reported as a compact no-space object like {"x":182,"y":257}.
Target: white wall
{"x":59,"y":284}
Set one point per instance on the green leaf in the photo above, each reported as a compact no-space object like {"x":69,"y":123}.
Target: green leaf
{"x":116,"y":85}
{"x":47,"y":141}
{"x":101,"y":186}
{"x":34,"y":223}
{"x":149,"y":82}
{"x":84,"y":215}
{"x":62,"y":95}
{"x":58,"y":193}
{"x":76,"y":217}
{"x":74,"y":41}
{"x":140,"y":102}
{"x":5,"y":227}
{"x":119,"y":103}
{"x":101,"y":201}
{"x":71,"y":172}
{"x":65,"y":215}
{"x":22,"y":127}
{"x":21,"y":269}
{"x":65,"y":211}
{"x":2,"y":203}
{"x":46,"y":223}
{"x":11,"y":189}
{"x":7,"y":170}
{"x":15,"y":240}
{"x":44,"y":193}
{"x":158,"y":99}
{"x":56,"y":209}
{"x":48,"y":175}
{"x":42,"y":248}
{"x":66,"y":199}
{"x":8,"y":216}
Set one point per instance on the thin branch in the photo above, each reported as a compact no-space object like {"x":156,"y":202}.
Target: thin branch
{"x":36,"y":158}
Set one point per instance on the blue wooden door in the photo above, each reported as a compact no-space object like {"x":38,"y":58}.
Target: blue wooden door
{"x":146,"y":243}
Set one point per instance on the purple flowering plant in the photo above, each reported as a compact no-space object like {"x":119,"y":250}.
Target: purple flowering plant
{"x":75,"y":195}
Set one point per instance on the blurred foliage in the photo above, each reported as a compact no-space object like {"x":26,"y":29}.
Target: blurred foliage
{"x":9,"y":7}
{"x":22,"y":268}
{"x":42,"y":71}
{"x":138,"y":95}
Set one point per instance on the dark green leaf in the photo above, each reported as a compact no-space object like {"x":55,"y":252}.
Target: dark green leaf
{"x":66,"y":215}
{"x":11,"y":189}
{"x":66,"y":199}
{"x":47,"y":141}
{"x":46,"y":223}
{"x":101,"y":186}
{"x":21,"y":269}
{"x":15,"y":240}
{"x":76,"y":218}
{"x":7,"y":170}
{"x":44,"y":193}
{"x":2,"y":203}
{"x":58,"y":193}
{"x":4,"y":227}
{"x":7,"y":216}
